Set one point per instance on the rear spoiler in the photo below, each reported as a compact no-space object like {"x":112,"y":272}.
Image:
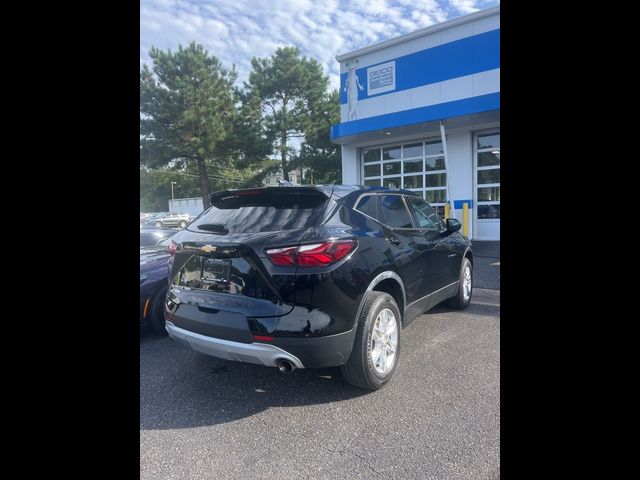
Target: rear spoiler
{"x":225,"y":195}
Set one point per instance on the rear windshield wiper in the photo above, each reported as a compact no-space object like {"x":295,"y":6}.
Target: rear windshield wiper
{"x":213,"y":228}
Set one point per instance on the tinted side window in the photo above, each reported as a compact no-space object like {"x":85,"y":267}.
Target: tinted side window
{"x":394,"y":212}
{"x":424,"y":213}
{"x":367,"y":205}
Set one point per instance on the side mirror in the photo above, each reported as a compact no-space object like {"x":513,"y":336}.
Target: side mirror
{"x":453,"y":225}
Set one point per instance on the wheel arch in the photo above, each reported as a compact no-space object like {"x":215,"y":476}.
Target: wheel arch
{"x":387,"y":282}
{"x":468,"y":254}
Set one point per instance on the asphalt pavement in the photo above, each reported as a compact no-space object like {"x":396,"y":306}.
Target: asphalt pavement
{"x":439,"y":418}
{"x":486,"y":264}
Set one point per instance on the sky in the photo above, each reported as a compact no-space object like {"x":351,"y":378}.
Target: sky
{"x":237,"y":30}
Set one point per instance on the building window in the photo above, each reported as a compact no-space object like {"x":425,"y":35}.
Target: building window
{"x":488,"y":175}
{"x":416,"y":166}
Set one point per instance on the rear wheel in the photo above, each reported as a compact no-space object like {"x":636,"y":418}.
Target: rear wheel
{"x":462,"y":299}
{"x":376,"y":348}
{"x":158,"y":224}
{"x":156,"y":317}
{"x":183,"y":223}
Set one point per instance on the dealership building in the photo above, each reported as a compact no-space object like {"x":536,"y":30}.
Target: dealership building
{"x":422,"y":112}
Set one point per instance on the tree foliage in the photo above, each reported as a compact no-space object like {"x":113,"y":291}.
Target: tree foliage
{"x":249,"y":142}
{"x":289,"y":88}
{"x":318,"y":153}
{"x":198,"y":130}
{"x":187,"y":109}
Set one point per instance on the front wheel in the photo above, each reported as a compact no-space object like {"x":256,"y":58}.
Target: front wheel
{"x":376,"y":348}
{"x":183,"y":223}
{"x":158,"y":224}
{"x":462,"y":299}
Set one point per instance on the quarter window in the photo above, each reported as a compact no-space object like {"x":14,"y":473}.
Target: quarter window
{"x":367,"y":205}
{"x":394,"y":212}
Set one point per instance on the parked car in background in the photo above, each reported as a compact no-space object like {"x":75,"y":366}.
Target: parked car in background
{"x":153,"y":235}
{"x":152,"y":216}
{"x":314,"y":277}
{"x":172,"y":219}
{"x":154,"y":273}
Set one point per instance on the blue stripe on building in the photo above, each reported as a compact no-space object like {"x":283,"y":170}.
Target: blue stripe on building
{"x":458,"y":203}
{"x":467,"y":106}
{"x":459,"y":58}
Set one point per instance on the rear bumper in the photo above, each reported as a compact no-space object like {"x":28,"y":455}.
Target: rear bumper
{"x":312,"y":352}
{"x":257,"y":353}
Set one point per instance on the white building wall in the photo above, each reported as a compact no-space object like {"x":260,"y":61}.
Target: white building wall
{"x":458,"y":88}
{"x":192,"y":206}
{"x":460,"y":140}
{"x":454,"y":89}
{"x":350,"y":166}
{"x":460,"y":167}
{"x":458,"y":32}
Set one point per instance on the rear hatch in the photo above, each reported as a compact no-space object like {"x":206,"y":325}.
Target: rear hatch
{"x":220,"y":264}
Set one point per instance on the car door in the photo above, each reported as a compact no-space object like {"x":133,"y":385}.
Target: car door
{"x":442,"y":254}
{"x":407,"y":248}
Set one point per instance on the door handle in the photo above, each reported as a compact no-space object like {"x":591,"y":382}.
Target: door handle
{"x":395,"y":241}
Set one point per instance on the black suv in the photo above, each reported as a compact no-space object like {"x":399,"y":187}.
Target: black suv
{"x":318,"y":276}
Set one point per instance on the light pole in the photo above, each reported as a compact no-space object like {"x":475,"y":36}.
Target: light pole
{"x":172,"y":184}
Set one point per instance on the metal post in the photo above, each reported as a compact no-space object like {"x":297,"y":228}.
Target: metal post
{"x":172,"y":198}
{"x":446,"y":168}
{"x":465,"y":219}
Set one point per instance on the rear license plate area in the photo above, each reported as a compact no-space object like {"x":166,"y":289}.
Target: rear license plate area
{"x":215,"y":271}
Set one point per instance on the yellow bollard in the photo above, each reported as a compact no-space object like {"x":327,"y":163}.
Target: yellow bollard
{"x":465,"y":219}
{"x":446,"y":210}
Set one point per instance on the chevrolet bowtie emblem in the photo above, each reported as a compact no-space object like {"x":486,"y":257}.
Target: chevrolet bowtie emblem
{"x":208,"y":248}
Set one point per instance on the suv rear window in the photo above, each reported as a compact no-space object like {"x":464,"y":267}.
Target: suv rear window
{"x":261,"y":210}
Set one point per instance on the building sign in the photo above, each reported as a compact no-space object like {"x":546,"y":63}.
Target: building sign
{"x":381,"y":78}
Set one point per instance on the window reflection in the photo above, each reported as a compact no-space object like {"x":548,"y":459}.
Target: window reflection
{"x":391,"y":153}
{"x":489,"y":141}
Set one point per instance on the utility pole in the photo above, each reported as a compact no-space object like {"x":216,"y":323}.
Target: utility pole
{"x":172,"y":184}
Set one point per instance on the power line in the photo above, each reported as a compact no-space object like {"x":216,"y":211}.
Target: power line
{"x":211,"y":175}
{"x":214,"y":176}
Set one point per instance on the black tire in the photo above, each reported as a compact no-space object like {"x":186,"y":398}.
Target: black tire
{"x":156,"y":317}
{"x":459,"y":302}
{"x":183,"y":223}
{"x":359,"y":369}
{"x":158,"y":224}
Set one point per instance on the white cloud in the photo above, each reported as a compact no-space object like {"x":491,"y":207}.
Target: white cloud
{"x":237,"y":30}
{"x":465,"y":6}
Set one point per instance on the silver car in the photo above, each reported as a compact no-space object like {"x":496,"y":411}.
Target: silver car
{"x":172,"y":219}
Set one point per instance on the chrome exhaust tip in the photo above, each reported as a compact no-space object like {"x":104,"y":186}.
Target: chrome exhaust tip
{"x":285,"y":366}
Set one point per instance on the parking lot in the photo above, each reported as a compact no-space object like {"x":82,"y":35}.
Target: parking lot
{"x":439,"y":418}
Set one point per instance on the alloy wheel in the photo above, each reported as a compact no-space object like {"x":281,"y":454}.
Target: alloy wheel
{"x":466,"y":282}
{"x":384,"y":341}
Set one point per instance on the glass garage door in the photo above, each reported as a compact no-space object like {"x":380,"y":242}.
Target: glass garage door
{"x":487,"y":186}
{"x":416,"y":166}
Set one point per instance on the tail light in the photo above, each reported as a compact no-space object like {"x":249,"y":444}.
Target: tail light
{"x":314,"y":255}
{"x":172,"y":247}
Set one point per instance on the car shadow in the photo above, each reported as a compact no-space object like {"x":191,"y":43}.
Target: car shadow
{"x":475,"y":308}
{"x":180,"y":388}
